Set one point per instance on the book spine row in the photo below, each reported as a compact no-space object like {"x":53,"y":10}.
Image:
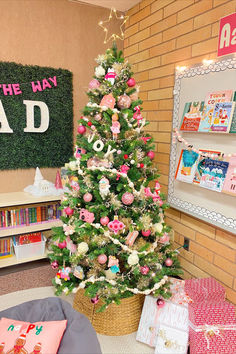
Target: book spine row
{"x":5,"y":247}
{"x":27,"y":216}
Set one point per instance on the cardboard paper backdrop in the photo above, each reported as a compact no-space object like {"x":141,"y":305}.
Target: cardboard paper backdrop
{"x":50,"y":146}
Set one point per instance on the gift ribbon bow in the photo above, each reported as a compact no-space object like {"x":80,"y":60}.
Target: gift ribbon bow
{"x":137,"y":115}
{"x":211,"y":330}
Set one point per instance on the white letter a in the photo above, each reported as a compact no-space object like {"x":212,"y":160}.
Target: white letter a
{"x":4,"y":126}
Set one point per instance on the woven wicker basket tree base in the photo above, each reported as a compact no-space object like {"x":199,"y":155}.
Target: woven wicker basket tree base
{"x":116,"y":320}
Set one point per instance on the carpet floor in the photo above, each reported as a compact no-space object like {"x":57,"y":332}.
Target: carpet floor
{"x":26,"y":279}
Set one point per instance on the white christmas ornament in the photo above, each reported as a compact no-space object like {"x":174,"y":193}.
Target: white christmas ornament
{"x":104,"y":187}
{"x":98,"y":145}
{"x":99,"y":71}
{"x":158,"y":227}
{"x":133,"y":259}
{"x":72,"y":165}
{"x":82,"y":248}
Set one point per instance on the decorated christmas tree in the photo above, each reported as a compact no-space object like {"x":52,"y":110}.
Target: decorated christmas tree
{"x":114,"y":242}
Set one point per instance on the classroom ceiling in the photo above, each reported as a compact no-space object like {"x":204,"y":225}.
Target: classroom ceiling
{"x":120,"y":5}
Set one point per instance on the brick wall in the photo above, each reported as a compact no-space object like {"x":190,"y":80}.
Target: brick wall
{"x":161,"y":34}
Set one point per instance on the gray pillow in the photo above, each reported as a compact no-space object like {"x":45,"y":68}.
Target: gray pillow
{"x":79,"y":337}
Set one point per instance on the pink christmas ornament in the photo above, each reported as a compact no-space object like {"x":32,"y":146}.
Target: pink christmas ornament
{"x":87,"y":197}
{"x":81,"y":129}
{"x":116,"y":225}
{"x":124,"y":101}
{"x":58,"y":183}
{"x":104,"y":220}
{"x":86,"y":216}
{"x":95,"y":300}
{"x":98,"y":117}
{"x":131,"y":82}
{"x":102,"y":258}
{"x":168,"y":262}
{"x":68,"y":229}
{"x":145,"y":139}
{"x":113,"y":261}
{"x":94,"y":84}
{"x":131,"y":238}
{"x":144,"y":270}
{"x":69,"y":211}
{"x":79,"y":152}
{"x":146,"y":233}
{"x":54,"y":265}
{"x":62,"y":245}
{"x":70,"y":245}
{"x":137,"y":115}
{"x":151,"y":155}
{"x":110,"y":76}
{"x":160,"y":303}
{"x":108,"y":101}
{"x":164,"y":239}
{"x":127,"y":198}
{"x":74,"y":183}
{"x":124,"y":169}
{"x":64,"y":273}
{"x":118,"y":152}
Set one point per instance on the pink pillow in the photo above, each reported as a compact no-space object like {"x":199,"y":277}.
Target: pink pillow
{"x":17,"y":337}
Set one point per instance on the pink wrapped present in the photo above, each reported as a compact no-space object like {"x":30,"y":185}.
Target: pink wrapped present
{"x":212,"y":328}
{"x":171,"y":315}
{"x":204,"y":289}
{"x":179,"y":295}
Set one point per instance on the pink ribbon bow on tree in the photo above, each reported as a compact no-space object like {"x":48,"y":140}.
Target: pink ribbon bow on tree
{"x":137,"y":115}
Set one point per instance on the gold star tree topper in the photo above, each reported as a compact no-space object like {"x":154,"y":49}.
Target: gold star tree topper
{"x":114,"y":36}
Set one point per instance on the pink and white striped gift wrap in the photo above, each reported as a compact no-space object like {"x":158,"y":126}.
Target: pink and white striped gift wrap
{"x":212,"y":328}
{"x":204,"y":289}
{"x":171,"y":315}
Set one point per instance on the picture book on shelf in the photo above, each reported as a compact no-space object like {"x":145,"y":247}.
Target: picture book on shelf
{"x":218,"y":97}
{"x":230,"y":179}
{"x":233,"y":122}
{"x":222,"y":117}
{"x":187,"y":165}
{"x":201,"y":164}
{"x":206,"y":118}
{"x":192,"y":116}
{"x":213,"y":175}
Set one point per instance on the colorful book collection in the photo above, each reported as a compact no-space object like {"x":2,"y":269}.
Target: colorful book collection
{"x":27,"y":216}
{"x":5,"y":247}
{"x":210,"y":173}
{"x":216,"y":114}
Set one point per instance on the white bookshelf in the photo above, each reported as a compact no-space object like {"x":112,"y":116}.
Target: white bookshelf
{"x":17,"y":199}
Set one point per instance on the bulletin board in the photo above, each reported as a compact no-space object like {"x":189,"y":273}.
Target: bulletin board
{"x":40,"y":85}
{"x":191,"y":85}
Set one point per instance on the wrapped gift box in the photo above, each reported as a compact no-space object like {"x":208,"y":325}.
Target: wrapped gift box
{"x":171,"y":315}
{"x":204,"y":289}
{"x":179,"y":296}
{"x":171,"y":341}
{"x":212,"y":328}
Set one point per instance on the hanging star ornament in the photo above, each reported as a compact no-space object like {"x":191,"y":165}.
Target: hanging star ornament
{"x":113,"y":36}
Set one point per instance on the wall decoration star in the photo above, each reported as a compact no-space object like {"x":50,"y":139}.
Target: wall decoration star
{"x":114,"y":36}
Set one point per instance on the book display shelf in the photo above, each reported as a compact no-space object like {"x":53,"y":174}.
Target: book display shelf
{"x":24,"y":214}
{"x":203,"y":155}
